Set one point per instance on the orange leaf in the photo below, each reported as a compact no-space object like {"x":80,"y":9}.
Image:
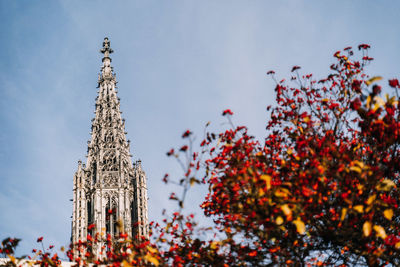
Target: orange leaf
{"x":267,"y":179}
{"x":388,"y":213}
{"x":300,"y":226}
{"x":253,"y":253}
{"x":380,"y":231}
{"x":367,"y":228}
{"x":359,"y":208}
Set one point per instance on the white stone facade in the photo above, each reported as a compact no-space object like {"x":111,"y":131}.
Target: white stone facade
{"x":109,"y":187}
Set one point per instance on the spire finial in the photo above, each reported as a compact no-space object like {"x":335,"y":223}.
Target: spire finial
{"x":106,"y":69}
{"x":106,"y":50}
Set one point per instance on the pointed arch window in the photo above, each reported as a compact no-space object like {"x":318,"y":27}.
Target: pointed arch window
{"x":94,"y":172}
{"x":89,"y":216}
{"x":89,"y":212}
{"x":134,"y":219}
{"x":111,"y":217}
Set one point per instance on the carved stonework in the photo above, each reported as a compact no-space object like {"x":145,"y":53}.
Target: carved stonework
{"x":109,"y":185}
{"x":110,"y":180}
{"x":110,"y":161}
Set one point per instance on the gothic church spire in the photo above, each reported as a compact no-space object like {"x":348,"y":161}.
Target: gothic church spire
{"x":109,"y":187}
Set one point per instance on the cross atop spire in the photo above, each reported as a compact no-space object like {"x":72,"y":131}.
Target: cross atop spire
{"x":106,"y":50}
{"x":106,"y":69}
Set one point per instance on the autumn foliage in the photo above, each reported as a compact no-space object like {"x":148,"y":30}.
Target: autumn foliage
{"x":322,"y":189}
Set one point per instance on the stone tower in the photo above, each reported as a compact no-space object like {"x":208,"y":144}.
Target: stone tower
{"x":109,"y":188}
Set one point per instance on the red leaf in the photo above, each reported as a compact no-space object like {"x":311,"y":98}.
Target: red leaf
{"x":295,"y":68}
{"x":165,"y":179}
{"x":203,"y":143}
{"x":394,"y":83}
{"x":40,"y":239}
{"x":227,"y":112}
{"x":376,"y":89}
{"x":186,"y":134}
{"x":253,"y":253}
{"x":355,"y":104}
{"x":171,"y":152}
{"x":363,"y":46}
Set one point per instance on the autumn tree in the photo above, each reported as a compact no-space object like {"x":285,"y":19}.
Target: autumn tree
{"x":322,"y":189}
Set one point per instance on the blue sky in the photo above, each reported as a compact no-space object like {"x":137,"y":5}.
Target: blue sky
{"x":178,"y":64}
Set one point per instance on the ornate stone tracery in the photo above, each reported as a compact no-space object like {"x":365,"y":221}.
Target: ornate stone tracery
{"x":109,"y":187}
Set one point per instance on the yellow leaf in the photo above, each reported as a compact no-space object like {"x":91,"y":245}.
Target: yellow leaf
{"x":373,"y":79}
{"x":289,"y":151}
{"x":359,"y":208}
{"x":214,"y":244}
{"x":300,"y":226}
{"x":367,"y":228}
{"x":152,"y":250}
{"x":385,"y":185}
{"x":380,"y":232}
{"x":359,"y":163}
{"x":360,"y":187}
{"x":124,"y":263}
{"x":392,"y":100}
{"x":279,"y":220}
{"x":357,"y":147}
{"x":261,"y":192}
{"x":378,"y":103}
{"x":193,"y":181}
{"x":371,"y":199}
{"x":356,"y":169}
{"x":397,"y":245}
{"x":12,"y":258}
{"x":281,"y":192}
{"x":388,"y":213}
{"x":344,"y":212}
{"x":152,"y":259}
{"x":267,"y":180}
{"x":306,"y":119}
{"x":286,"y":210}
